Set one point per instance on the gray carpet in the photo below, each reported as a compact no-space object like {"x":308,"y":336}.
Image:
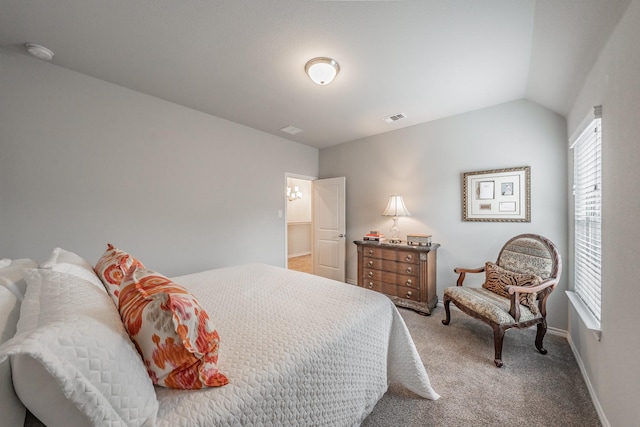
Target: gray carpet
{"x":530,"y":390}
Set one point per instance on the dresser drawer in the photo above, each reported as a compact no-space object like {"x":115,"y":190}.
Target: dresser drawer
{"x":407,"y":256}
{"x":372,"y":252}
{"x":389,"y":254}
{"x":408,"y":293}
{"x":374,"y":263}
{"x":401,"y":279}
{"x":409,"y":281}
{"x":398,"y":255}
{"x":380,"y":286}
{"x":375,"y":285}
{"x":370,"y":274}
{"x":400,"y":267}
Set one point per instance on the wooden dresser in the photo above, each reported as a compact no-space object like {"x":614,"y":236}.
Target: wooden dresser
{"x":406,"y":274}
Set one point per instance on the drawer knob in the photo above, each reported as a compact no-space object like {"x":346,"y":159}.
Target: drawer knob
{"x":370,"y":263}
{"x":409,"y":294}
{"x":409,"y":269}
{"x":409,"y":257}
{"x":370,"y":285}
{"x":370,"y":274}
{"x":409,"y":282}
{"x":370,"y":251}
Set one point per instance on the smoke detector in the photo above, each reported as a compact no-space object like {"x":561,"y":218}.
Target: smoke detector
{"x":39,"y":51}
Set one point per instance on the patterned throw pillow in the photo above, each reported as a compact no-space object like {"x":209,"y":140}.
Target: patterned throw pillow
{"x":497,"y":278}
{"x":112,"y":267}
{"x":173,"y":333}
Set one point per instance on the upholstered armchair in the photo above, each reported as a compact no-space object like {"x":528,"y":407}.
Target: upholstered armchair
{"x":515,"y":290}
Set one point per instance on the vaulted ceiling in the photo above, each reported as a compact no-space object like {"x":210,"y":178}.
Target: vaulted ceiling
{"x":243,"y":60}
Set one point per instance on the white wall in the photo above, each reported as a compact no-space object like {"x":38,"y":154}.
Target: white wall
{"x":84,"y":162}
{"x":612,"y":363}
{"x":424,"y":163}
{"x":299,"y":210}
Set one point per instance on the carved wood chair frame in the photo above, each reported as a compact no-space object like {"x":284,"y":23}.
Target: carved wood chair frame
{"x":543,"y":291}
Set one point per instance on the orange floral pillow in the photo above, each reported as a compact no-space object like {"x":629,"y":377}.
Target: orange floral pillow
{"x":171,"y":331}
{"x":112,"y":267}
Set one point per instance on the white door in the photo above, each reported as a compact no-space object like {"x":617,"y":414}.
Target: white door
{"x":329,"y":228}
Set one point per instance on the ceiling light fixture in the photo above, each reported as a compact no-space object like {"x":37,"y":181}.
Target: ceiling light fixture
{"x":39,"y":51}
{"x":322,"y":70}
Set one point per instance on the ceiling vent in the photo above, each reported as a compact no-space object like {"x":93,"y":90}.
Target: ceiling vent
{"x":395,"y":118}
{"x":291,"y":130}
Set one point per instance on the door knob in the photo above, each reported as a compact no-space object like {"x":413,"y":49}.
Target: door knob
{"x":340,"y":235}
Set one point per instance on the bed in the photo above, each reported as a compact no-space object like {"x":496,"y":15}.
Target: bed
{"x":297,"y":349}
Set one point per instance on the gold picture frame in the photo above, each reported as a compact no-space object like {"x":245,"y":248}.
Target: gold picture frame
{"x":498,"y":195}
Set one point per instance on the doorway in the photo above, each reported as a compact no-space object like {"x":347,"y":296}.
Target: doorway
{"x":299,"y":224}
{"x":315,"y":230}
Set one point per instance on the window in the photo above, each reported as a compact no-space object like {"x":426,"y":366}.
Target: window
{"x":587,"y":191}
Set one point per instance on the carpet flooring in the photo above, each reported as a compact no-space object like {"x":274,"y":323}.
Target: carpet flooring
{"x":530,"y":390}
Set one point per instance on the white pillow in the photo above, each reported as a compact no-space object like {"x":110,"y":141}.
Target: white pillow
{"x":68,"y":262}
{"x":9,"y":314}
{"x":11,"y":276}
{"x":84,"y":357}
{"x":30,"y":307}
{"x":21,"y":262}
{"x":12,"y":290}
{"x":12,"y":410}
{"x":60,"y":255}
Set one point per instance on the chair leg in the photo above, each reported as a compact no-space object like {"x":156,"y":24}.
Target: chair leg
{"x":446,"y":301}
{"x":498,"y":339}
{"x":542,"y":330}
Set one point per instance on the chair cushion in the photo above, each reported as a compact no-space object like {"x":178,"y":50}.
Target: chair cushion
{"x":487,"y":304}
{"x":497,"y":278}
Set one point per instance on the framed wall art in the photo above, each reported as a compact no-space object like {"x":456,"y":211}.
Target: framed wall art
{"x":500,"y":195}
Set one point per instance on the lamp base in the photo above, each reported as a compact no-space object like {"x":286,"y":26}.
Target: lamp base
{"x":395,"y":232}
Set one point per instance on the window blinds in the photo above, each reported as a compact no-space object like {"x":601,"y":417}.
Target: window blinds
{"x":587,"y":190}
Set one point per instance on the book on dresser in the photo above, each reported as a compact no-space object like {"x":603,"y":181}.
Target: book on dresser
{"x":405,"y":273}
{"x":374,"y":236}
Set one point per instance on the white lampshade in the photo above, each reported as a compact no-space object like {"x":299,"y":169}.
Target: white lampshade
{"x":396,"y":207}
{"x":322,"y":70}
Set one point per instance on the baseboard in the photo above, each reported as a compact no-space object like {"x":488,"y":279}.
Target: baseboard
{"x":298,"y":254}
{"x":557,"y":332}
{"x":592,"y":393}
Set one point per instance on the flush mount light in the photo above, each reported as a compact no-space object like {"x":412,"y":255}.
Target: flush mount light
{"x":39,"y":51}
{"x":322,"y":70}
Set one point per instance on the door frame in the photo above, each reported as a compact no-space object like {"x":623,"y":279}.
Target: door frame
{"x":286,"y":213}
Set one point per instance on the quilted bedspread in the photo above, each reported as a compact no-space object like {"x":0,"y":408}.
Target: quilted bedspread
{"x":297,"y":349}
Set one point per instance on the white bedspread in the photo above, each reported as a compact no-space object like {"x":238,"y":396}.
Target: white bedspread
{"x":297,"y":349}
